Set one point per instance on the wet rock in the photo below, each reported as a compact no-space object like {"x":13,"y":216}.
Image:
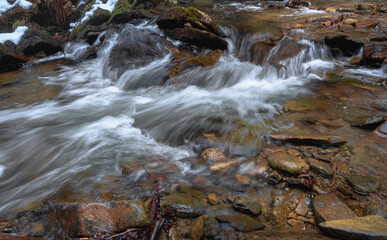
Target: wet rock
{"x":356,"y":60}
{"x":302,"y":207}
{"x":100,"y":16}
{"x":350,"y":21}
{"x":286,"y":163}
{"x":364,"y":184}
{"x":328,"y":207}
{"x":259,"y":51}
{"x":10,"y":59}
{"x":297,"y":3}
{"x":247,"y":204}
{"x":197,"y":228}
{"x":213,"y":199}
{"x":274,"y":177}
{"x":186,"y":205}
{"x":286,"y":49}
{"x":375,"y":210}
{"x":288,"y":234}
{"x":197,"y":37}
{"x":177,"y":17}
{"x":309,"y":139}
{"x":296,"y":223}
{"x":241,"y":222}
{"x":80,"y":32}
{"x":211,"y":226}
{"x":369,"y":227}
{"x":174,"y":234}
{"x":223,"y":166}
{"x":370,"y":122}
{"x":242,"y":179}
{"x":86,"y":219}
{"x":35,"y":40}
{"x":206,"y":60}
{"x":213,"y":155}
{"x":365,"y":7}
{"x":320,"y":167}
{"x":284,"y":203}
{"x":14,"y":17}
{"x":344,"y":44}
{"x":375,"y":53}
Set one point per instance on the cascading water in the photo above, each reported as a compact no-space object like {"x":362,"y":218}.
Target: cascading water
{"x":116,"y":108}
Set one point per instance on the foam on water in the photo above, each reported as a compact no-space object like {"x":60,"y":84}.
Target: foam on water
{"x":304,"y":11}
{"x":2,"y":169}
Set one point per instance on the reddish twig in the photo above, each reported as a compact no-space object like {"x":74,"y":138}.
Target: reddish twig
{"x":334,"y":174}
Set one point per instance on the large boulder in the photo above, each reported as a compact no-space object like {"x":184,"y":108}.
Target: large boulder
{"x":36,"y":40}
{"x":192,"y":26}
{"x":177,"y":17}
{"x":87,"y":219}
{"x":197,"y":37}
{"x":9,"y":59}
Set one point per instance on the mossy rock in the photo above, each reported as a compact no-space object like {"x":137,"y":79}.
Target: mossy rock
{"x":13,"y":18}
{"x":100,"y":16}
{"x":121,"y":12}
{"x":177,"y":17}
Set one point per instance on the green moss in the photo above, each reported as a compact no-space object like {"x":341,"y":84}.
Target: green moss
{"x":120,"y":7}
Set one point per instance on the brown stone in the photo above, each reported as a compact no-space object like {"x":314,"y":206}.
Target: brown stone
{"x":286,"y":163}
{"x":302,"y":208}
{"x":375,"y":52}
{"x":213,"y":154}
{"x":309,"y":139}
{"x":213,"y":199}
{"x":292,"y":215}
{"x":328,"y":207}
{"x":296,"y":223}
{"x":223,"y":166}
{"x":197,"y":228}
{"x":242,"y":179}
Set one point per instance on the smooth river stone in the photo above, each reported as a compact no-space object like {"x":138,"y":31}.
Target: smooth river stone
{"x":364,"y":184}
{"x":320,"y":167}
{"x":368,"y":227}
{"x":286,"y":163}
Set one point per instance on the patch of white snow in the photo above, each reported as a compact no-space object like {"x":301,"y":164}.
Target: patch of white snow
{"x":14,"y":37}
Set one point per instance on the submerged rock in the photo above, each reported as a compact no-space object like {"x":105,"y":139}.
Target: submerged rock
{"x":309,"y":139}
{"x":328,"y":207}
{"x":286,"y":163}
{"x":247,"y":204}
{"x":375,"y":210}
{"x":369,"y":227}
{"x":343,"y":43}
{"x":364,"y":184}
{"x":241,"y":222}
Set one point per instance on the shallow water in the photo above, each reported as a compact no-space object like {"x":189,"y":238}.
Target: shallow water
{"x":67,"y":126}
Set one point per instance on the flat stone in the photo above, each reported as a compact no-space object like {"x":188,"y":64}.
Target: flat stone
{"x":296,"y":223}
{"x":328,"y":207}
{"x":364,"y":184}
{"x":197,"y":229}
{"x":247,"y":204}
{"x":309,"y":139}
{"x":186,"y":205}
{"x":286,"y":163}
{"x":375,"y":210}
{"x":302,"y":208}
{"x":368,"y":227}
{"x":320,"y":167}
{"x":241,"y":222}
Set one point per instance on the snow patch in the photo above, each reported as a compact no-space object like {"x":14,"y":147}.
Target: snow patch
{"x":14,"y":37}
{"x":5,"y":5}
{"x":109,"y":5}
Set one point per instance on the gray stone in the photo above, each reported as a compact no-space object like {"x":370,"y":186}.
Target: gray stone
{"x":364,"y":184}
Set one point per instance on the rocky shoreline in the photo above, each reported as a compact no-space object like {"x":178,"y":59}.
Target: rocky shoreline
{"x":313,"y":180}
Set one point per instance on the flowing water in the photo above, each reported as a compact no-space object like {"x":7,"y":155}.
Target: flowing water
{"x":97,"y":114}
